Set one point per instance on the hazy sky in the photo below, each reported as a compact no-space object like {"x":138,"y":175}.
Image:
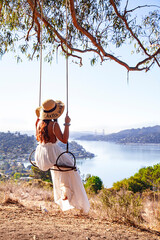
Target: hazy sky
{"x":99,"y":96}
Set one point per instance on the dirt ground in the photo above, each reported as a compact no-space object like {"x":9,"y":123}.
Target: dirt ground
{"x":19,"y":222}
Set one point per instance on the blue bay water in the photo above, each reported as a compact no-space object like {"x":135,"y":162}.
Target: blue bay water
{"x":114,"y":162}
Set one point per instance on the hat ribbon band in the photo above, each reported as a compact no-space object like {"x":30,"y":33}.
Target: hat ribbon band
{"x":51,"y":110}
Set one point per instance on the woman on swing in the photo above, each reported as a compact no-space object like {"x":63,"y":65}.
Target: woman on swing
{"x":68,"y":188}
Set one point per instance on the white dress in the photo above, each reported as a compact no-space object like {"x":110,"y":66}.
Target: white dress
{"x":65,"y":184}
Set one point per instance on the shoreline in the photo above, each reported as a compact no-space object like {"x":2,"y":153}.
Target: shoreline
{"x":129,"y":143}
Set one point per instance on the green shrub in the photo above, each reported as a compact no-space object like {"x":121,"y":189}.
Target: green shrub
{"x":40,"y":184}
{"x":146,"y":178}
{"x":43,"y":175}
{"x":17,"y":175}
{"x":93,"y":184}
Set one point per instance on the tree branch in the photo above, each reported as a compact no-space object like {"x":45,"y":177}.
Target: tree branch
{"x":70,"y":54}
{"x":149,"y":58}
{"x":99,"y":49}
{"x":33,"y":7}
{"x":35,"y":3}
{"x":47,"y":24}
{"x":127,"y":26}
{"x":141,"y":7}
{"x":1,"y":4}
{"x":125,"y":10}
{"x":93,"y":40}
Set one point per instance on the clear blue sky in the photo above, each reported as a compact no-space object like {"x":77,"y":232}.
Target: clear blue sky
{"x":99,"y":96}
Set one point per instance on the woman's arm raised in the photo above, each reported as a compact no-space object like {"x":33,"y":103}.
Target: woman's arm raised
{"x":63,"y":137}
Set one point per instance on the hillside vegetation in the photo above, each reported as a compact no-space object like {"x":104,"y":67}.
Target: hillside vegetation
{"x":147,"y":178}
{"x":15,"y":149}
{"x":18,"y":144}
{"x":139,"y":135}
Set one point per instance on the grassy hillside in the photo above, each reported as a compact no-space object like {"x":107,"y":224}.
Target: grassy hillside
{"x":20,"y":201}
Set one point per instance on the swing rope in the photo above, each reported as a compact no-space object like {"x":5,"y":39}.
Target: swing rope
{"x":62,"y":168}
{"x":67,"y":56}
{"x":69,"y":168}
{"x":67,"y":61}
{"x":40,"y":82}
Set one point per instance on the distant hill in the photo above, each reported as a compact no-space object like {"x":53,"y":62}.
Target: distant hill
{"x":16,"y":143}
{"x":74,"y":134}
{"x":139,"y":135}
{"x":19,"y":146}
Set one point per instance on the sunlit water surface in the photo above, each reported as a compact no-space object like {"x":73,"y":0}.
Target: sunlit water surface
{"x":114,"y":162}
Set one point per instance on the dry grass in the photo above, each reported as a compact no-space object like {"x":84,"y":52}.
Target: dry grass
{"x":140,"y":210}
{"x":124,"y":207}
{"x":151,"y":209}
{"x":33,"y":194}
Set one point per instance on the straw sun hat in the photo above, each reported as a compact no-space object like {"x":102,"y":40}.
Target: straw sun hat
{"x":50,"y":109}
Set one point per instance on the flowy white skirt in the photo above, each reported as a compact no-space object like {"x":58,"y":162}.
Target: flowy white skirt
{"x":65,"y":184}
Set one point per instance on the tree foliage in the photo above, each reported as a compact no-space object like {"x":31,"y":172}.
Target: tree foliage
{"x":17,"y":175}
{"x":93,"y":184}
{"x":146,"y":178}
{"x":43,"y":175}
{"x":98,"y":26}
